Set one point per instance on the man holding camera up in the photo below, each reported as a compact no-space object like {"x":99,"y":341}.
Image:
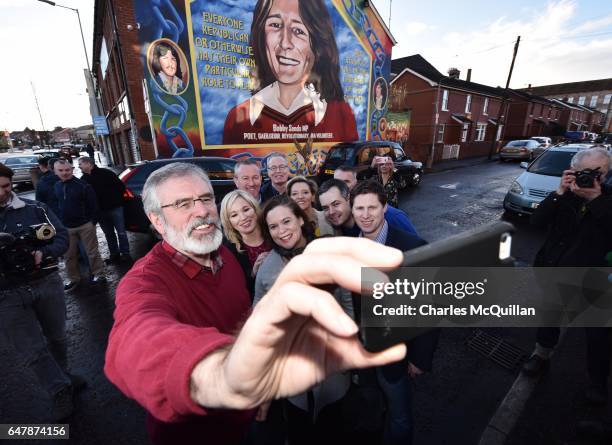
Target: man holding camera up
{"x":579,"y":220}
{"x":31,"y":291}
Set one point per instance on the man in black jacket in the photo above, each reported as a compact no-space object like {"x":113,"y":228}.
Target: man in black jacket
{"x":45,"y":187}
{"x":109,"y":191}
{"x":78,"y":207}
{"x":368,"y":203}
{"x":32,"y":301}
{"x":579,"y":221}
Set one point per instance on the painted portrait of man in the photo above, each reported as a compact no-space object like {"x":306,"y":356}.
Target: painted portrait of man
{"x":297,"y":79}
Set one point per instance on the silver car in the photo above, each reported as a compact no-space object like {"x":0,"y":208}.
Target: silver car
{"x":522,"y":149}
{"x":542,"y":177}
{"x":22,"y":166}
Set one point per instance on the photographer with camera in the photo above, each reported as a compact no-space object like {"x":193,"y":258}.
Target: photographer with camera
{"x":31,"y":291}
{"x":579,"y":220}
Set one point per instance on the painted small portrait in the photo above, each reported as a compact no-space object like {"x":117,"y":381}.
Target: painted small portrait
{"x":380,"y":93}
{"x":168,"y":66}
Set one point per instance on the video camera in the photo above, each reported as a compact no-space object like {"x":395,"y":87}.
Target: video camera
{"x":585,"y":179}
{"x":16,"y":250}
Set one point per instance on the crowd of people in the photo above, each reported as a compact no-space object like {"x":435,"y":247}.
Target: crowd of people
{"x":240,"y":326}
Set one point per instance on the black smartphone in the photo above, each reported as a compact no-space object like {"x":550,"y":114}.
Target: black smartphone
{"x":486,"y":246}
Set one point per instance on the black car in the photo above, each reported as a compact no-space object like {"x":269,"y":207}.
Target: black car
{"x":360,"y":154}
{"x":219,"y":170}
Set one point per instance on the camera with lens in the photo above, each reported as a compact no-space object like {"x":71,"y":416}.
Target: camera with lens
{"x":16,"y":259}
{"x":586,"y":178}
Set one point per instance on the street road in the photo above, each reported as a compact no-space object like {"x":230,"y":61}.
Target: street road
{"x":452,"y":405}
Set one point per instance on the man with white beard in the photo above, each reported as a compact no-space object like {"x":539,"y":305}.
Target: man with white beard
{"x":180,"y":345}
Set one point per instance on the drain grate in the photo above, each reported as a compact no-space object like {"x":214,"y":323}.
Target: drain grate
{"x":497,"y":350}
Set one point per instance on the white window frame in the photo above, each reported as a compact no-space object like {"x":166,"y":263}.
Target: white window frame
{"x":581,"y":100}
{"x":499,"y":132}
{"x":593,"y":102}
{"x":440,"y":134}
{"x":607,"y":99}
{"x":468,"y":103}
{"x":570,"y":100}
{"x":444,"y":100}
{"x":464,"y":132}
{"x":485,"y":107}
{"x":481,"y":131}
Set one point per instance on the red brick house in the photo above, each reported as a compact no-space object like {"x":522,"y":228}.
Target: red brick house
{"x":450,"y":118}
{"x":530,"y":115}
{"x":117,"y":68}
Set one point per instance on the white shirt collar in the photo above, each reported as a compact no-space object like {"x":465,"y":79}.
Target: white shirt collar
{"x":270,"y":95}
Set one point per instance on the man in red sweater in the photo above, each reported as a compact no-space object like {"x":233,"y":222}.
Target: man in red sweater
{"x":177,"y":345}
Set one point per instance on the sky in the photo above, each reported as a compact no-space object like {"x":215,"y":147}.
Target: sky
{"x":561,"y":41}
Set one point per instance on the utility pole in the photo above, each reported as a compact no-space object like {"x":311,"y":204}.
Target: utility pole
{"x":504,"y":99}
{"x":390,"y":3}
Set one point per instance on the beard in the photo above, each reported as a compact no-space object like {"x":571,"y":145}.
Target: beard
{"x":203,"y":245}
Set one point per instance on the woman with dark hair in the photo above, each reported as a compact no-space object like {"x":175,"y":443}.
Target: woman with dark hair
{"x":286,"y":227}
{"x":297,"y":79}
{"x":167,"y":68}
{"x":303,"y":192}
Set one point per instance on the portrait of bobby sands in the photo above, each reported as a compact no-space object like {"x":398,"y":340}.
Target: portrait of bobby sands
{"x":297,"y":79}
{"x":165,"y":63}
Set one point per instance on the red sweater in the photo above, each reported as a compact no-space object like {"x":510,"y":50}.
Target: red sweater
{"x":170,"y":313}
{"x":338,"y":125}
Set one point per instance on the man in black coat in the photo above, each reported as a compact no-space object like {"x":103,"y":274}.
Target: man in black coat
{"x":109,"y":191}
{"x":579,"y":221}
{"x":368,"y":203}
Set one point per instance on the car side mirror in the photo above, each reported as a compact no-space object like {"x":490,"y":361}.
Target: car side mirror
{"x":524,"y":164}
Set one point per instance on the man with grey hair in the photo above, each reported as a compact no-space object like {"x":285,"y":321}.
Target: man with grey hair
{"x":278,"y":172}
{"x":247,"y":177}
{"x":180,"y":344}
{"x":578,"y":216}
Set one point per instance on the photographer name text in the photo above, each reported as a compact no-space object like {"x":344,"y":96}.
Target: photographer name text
{"x":429,"y":310}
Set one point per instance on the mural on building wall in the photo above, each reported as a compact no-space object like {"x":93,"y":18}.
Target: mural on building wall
{"x":398,"y":126}
{"x":246,"y":77}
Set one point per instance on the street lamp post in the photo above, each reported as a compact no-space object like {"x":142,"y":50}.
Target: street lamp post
{"x":91,"y":79}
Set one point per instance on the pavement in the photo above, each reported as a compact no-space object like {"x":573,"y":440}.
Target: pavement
{"x":453,"y":164}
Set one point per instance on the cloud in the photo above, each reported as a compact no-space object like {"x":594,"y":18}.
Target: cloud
{"x":551,"y":44}
{"x":415,"y":28}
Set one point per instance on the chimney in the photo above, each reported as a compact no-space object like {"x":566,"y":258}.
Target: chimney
{"x":529,"y":88}
{"x":453,"y":73}
{"x":469,"y":75}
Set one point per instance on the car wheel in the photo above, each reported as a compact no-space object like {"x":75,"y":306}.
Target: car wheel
{"x":416,"y":179}
{"x":403,"y":183}
{"x":501,"y":159}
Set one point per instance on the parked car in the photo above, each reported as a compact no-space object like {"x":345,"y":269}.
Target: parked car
{"x":542,"y":177}
{"x":23,"y":166}
{"x":521,"y":149}
{"x":219,"y":170}
{"x":360,"y":154}
{"x":544,"y":142}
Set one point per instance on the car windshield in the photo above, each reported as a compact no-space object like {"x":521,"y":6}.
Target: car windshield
{"x":552,"y":163}
{"x":341,"y":152}
{"x":21,"y":160}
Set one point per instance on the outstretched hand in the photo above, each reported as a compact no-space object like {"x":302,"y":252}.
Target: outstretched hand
{"x":297,"y":334}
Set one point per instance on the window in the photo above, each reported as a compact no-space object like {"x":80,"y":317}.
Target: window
{"x":570,"y":99}
{"x":485,"y":107}
{"x":581,"y":100}
{"x":593,"y":102}
{"x":607,"y":98}
{"x":499,"y":133}
{"x":481,"y":129}
{"x":464,"y":132}
{"x":440,"y":136}
{"x":468,"y":104}
{"x":444,"y":100}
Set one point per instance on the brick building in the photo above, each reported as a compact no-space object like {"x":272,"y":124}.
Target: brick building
{"x":594,"y":94}
{"x":530,"y":115}
{"x":118,"y":69}
{"x":450,"y":117}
